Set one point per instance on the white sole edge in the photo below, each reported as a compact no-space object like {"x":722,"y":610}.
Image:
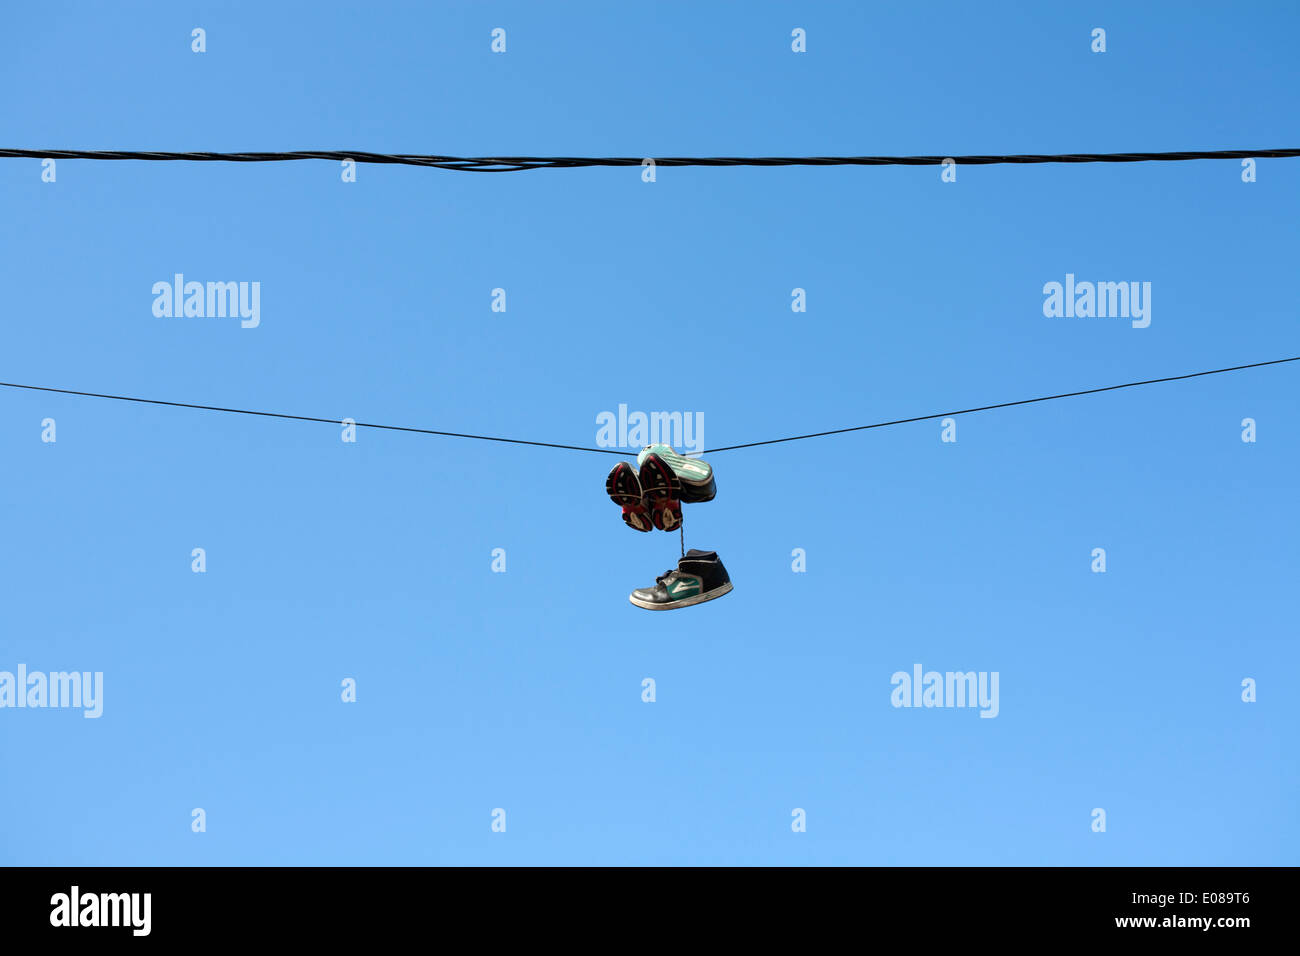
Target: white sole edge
{"x":685,"y":602}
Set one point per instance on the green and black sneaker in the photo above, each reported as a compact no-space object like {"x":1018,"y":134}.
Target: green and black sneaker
{"x":698,"y":577}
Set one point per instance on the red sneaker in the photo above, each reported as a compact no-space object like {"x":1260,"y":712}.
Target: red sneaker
{"x":624,"y":489}
{"x":662,"y":491}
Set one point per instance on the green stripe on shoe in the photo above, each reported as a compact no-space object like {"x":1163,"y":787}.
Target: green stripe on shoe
{"x":685,"y":587}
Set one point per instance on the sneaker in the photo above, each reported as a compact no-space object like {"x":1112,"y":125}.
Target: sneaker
{"x":698,"y":577}
{"x":624,"y":489}
{"x":694,"y":476}
{"x":662,"y":491}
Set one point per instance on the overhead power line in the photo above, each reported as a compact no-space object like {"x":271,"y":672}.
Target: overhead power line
{"x":985,"y":408}
{"x":612,"y":451}
{"x":511,"y":164}
{"x":303,"y":418}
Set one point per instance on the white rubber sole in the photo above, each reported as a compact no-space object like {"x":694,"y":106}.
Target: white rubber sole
{"x":684,"y":602}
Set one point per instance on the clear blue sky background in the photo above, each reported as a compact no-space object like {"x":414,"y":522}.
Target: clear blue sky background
{"x":522,"y":690}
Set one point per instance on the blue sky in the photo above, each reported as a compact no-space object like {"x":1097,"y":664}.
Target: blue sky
{"x":523,"y":690}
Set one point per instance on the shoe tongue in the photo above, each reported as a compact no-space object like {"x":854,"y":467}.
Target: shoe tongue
{"x":696,"y":553}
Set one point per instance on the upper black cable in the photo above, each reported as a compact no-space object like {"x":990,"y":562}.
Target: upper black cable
{"x":510,"y":164}
{"x":614,"y":451}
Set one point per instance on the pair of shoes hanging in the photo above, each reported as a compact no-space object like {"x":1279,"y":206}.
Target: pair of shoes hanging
{"x":651,"y":494}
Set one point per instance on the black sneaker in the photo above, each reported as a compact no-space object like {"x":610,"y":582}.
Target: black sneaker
{"x":698,"y":577}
